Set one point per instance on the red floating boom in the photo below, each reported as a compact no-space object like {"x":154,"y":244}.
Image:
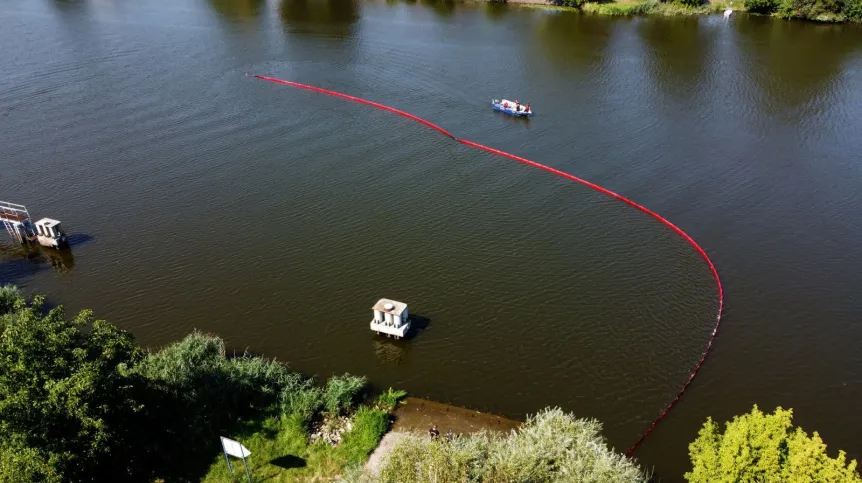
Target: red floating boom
{"x":572,"y":177}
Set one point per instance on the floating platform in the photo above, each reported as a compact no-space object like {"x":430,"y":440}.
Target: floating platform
{"x":46,"y":232}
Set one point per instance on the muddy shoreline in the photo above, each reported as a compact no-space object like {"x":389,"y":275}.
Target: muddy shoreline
{"x":416,"y":415}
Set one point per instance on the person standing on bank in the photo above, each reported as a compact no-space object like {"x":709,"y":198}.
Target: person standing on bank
{"x":433,"y":432}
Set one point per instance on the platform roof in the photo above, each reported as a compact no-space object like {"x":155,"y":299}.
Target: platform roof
{"x":398,"y":307}
{"x":48,"y":222}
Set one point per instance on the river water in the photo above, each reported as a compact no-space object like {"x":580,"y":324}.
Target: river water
{"x":198,"y":197}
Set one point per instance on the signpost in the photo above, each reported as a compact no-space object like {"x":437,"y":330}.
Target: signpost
{"x":235,"y":448}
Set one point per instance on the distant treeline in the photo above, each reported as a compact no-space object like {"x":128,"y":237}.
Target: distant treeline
{"x":817,"y":10}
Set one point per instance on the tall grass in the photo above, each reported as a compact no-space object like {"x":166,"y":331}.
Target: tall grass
{"x":369,"y":425}
{"x":551,"y":447}
{"x":303,"y":402}
{"x":341,"y":392}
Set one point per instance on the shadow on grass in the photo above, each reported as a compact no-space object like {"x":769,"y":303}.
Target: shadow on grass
{"x":289,"y":461}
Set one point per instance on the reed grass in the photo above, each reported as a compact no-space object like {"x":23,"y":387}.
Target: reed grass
{"x":389,"y":399}
{"x":341,"y":392}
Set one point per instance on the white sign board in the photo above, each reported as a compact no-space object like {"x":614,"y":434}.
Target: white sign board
{"x":234,"y":448}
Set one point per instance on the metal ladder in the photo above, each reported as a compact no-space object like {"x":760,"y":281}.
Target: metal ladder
{"x":11,"y":215}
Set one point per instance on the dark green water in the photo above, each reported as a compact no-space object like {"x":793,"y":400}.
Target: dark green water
{"x":200,"y":198}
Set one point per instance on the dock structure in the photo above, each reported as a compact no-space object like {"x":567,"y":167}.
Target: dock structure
{"x":390,"y":318}
{"x":21,"y":228}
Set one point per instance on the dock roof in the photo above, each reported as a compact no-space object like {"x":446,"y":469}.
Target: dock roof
{"x":397,"y":307}
{"x":48,"y":222}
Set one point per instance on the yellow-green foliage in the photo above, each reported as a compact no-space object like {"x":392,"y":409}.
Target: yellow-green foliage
{"x":758,"y":447}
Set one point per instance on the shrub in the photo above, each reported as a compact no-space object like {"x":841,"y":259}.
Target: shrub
{"x":691,"y":3}
{"x":341,"y":392}
{"x":764,"y":447}
{"x":761,"y":6}
{"x":827,"y":10}
{"x":25,"y":465}
{"x":569,"y":3}
{"x":853,"y":10}
{"x":9,"y":297}
{"x":389,"y":399}
{"x":197,"y":370}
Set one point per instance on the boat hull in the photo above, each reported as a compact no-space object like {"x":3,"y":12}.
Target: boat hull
{"x":498,"y":106}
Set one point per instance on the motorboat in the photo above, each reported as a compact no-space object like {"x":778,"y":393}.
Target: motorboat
{"x":510,"y":107}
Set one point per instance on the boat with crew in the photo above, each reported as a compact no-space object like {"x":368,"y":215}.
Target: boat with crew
{"x":512,"y":107}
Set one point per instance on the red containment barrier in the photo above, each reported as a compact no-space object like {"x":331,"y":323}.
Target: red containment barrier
{"x":584,"y":182}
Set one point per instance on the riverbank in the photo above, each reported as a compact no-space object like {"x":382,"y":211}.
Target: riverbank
{"x":849,"y":12}
{"x":159,"y":414}
{"x":632,"y":7}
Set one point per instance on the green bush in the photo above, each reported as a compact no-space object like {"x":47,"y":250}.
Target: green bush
{"x":341,"y":392}
{"x":9,"y":296}
{"x":853,"y":10}
{"x":826,"y":10}
{"x":197,"y":370}
{"x":26,"y":465}
{"x":764,"y":447}
{"x":761,"y":6}
{"x":691,"y":3}
{"x":569,"y":3}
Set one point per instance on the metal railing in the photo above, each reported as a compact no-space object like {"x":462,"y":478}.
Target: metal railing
{"x":14,"y":215}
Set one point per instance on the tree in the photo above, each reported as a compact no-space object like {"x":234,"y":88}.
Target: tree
{"x":761,"y":6}
{"x":67,"y":400}
{"x":758,"y":447}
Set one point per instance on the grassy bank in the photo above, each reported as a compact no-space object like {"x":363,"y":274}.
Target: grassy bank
{"x":283,"y":452}
{"x":811,"y":10}
{"x":637,"y":7}
{"x":79,"y":401}
{"x":651,"y":7}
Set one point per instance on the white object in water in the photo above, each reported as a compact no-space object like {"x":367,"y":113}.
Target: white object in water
{"x":50,"y":233}
{"x":390,"y":318}
{"x":728,"y":12}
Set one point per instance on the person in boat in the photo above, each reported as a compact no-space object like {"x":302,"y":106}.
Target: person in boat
{"x":527,"y":109}
{"x":505,"y":105}
{"x":517,"y":105}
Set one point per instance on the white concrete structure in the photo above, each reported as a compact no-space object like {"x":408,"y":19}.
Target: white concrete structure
{"x":49,"y":233}
{"x":390,"y":318}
